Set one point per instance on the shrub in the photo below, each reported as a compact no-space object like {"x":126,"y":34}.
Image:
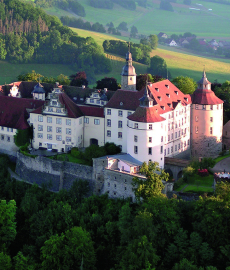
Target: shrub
{"x":112,"y":149}
{"x":74,"y":151}
{"x":222,"y":153}
{"x":178,"y":183}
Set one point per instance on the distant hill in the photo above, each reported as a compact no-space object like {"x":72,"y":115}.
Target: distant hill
{"x":29,"y":35}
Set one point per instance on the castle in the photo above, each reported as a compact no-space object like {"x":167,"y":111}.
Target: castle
{"x":157,"y":122}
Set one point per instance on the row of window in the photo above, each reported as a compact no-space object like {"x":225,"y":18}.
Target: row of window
{"x":57,"y":110}
{"x":177,"y":124}
{"x":58,"y":120}
{"x":210,"y":107}
{"x":180,"y":112}
{"x":210,"y":130}
{"x":50,"y":137}
{"x":150,"y":150}
{"x":109,"y":134}
{"x":7,"y":129}
{"x":109,"y":123}
{"x":58,"y":129}
{"x":179,"y":133}
{"x":177,"y":147}
{"x":120,"y":112}
{"x":98,"y":101}
{"x":7,"y":138}
{"x":196,"y":119}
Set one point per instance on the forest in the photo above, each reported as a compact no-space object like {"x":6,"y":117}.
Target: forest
{"x":29,"y":35}
{"x":72,"y":230}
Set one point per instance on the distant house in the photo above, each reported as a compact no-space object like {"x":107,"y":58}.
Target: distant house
{"x":172,"y":43}
{"x":213,"y":42}
{"x":183,"y":42}
{"x":162,"y":35}
{"x":202,"y":42}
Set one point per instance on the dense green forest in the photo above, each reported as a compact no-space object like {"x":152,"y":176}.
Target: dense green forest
{"x":44,"y":230}
{"x":29,"y":35}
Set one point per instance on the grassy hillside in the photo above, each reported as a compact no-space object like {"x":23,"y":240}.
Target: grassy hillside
{"x":212,"y":20}
{"x":178,"y":63}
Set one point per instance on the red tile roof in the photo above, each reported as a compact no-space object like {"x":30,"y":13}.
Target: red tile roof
{"x":13,"y":112}
{"x":146,"y":115}
{"x":205,"y":97}
{"x":92,"y":111}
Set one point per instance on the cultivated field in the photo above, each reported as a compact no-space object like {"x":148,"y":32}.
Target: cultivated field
{"x":210,"y":20}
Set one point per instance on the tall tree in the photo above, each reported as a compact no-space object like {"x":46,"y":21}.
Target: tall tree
{"x":158,"y":66}
{"x":79,"y":79}
{"x":152,"y":186}
{"x":185,"y":84}
{"x":133,"y":31}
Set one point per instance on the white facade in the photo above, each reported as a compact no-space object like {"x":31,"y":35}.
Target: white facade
{"x":7,"y":139}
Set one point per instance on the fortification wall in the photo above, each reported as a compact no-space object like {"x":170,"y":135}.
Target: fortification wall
{"x":55,"y":174}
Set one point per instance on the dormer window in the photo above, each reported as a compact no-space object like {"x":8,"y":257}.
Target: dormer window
{"x":186,"y":99}
{"x":176,"y":92}
{"x":179,"y":100}
{"x":170,"y":105}
{"x":163,"y":107}
{"x":54,"y":103}
{"x":159,"y":98}
{"x":167,"y":85}
{"x":157,"y":89}
{"x":167,"y":95}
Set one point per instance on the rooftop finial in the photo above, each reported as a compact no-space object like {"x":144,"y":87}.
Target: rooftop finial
{"x":204,"y":73}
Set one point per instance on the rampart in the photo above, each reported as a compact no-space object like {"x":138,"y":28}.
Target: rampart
{"x":56,"y":174}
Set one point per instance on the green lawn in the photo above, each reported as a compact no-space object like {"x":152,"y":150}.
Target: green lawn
{"x":192,"y":188}
{"x":221,"y":157}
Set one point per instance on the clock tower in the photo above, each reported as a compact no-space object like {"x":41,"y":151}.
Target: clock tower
{"x":128,"y":75}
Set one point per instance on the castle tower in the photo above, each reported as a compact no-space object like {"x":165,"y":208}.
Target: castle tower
{"x":128,"y":75}
{"x":144,"y":141}
{"x":206,"y":121}
{"x":39,"y":92}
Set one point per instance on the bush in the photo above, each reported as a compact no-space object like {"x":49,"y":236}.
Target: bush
{"x":112,"y":149}
{"x":222,"y":153}
{"x":74,"y":151}
{"x":178,"y":183}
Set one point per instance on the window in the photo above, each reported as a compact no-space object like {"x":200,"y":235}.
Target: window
{"x":211,"y":130}
{"x":150,"y":126}
{"x":58,"y":110}
{"x":58,"y":130}
{"x":119,"y":124}
{"x":135,"y":138}
{"x":58,"y":121}
{"x":211,"y":119}
{"x":96,"y":121}
{"x":162,"y":138}
{"x":49,"y":128}
{"x":136,"y":125}
{"x":185,"y":144}
{"x":68,"y":122}
{"x":8,"y":129}
{"x":203,"y":107}
{"x":54,"y":103}
{"x":196,"y":106}
{"x":108,"y":111}
{"x":135,"y":149}
{"x":179,"y":123}
{"x":68,"y":139}
{"x":175,"y":135}
{"x":40,"y":118}
{"x":40,"y":128}
{"x":11,"y":129}
{"x":196,"y":118}
{"x":49,"y":136}
{"x":168,"y":127}
{"x":182,"y":132}
{"x":172,"y":136}
{"x":179,"y":146}
{"x":182,"y":122}
{"x":168,"y":138}
{"x":2,"y":137}
{"x":150,"y":139}
{"x":196,"y":129}
{"x":129,"y":113}
{"x":49,"y":119}
{"x":171,"y":149}
{"x":168,"y":151}
{"x":175,"y":148}
{"x":68,"y":131}
{"x":58,"y":137}
{"x":50,"y":109}
{"x":188,"y":142}
{"x":40,"y":135}
{"x":211,"y":107}
{"x":161,"y":149}
{"x":176,"y":125}
{"x":98,"y":101}
{"x":108,"y":122}
{"x":91,"y":100}
{"x":165,"y":152}
{"x":179,"y":133}
{"x":120,"y":113}
{"x":150,"y":150}
{"x":172,"y":125}
{"x":86,"y":120}
{"x":108,"y":133}
{"x":119,"y":134}
{"x":8,"y":139}
{"x":185,"y":130}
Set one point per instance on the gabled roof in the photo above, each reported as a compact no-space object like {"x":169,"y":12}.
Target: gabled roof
{"x":13,"y":112}
{"x":146,"y":115}
{"x":92,"y":111}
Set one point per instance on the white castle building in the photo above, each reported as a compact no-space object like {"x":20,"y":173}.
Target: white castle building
{"x":157,"y":122}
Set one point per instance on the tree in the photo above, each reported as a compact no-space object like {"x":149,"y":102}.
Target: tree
{"x":153,"y":39}
{"x":23,"y":136}
{"x":185,"y":84}
{"x":109,"y":83}
{"x":152,"y":186}
{"x":123,"y":26}
{"x":3,"y":51}
{"x":5,"y":262}
{"x":30,"y":77}
{"x":133,"y":31}
{"x":68,"y":250}
{"x":158,"y":67}
{"x":166,"y":5}
{"x":79,"y":79}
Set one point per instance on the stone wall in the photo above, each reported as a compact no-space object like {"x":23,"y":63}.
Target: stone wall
{"x":55,"y":174}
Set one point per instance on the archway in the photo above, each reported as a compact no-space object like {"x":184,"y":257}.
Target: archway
{"x":180,"y":174}
{"x":169,"y":171}
{"x":93,"y":141}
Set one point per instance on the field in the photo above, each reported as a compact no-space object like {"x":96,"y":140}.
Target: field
{"x":178,"y":63}
{"x":211,"y":20}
